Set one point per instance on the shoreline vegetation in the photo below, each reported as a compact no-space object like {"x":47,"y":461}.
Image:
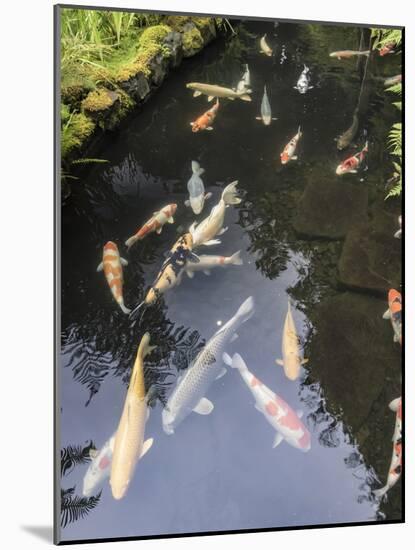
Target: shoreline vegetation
{"x":113,"y":61}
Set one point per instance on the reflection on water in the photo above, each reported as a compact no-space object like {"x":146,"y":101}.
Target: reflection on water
{"x":219,"y":472}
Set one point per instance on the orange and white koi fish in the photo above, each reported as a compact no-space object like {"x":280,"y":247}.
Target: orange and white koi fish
{"x":171,"y":271}
{"x":394,"y":313}
{"x":387,"y":49}
{"x":346,"y":54}
{"x":112,"y":265}
{"x":277,"y":412}
{"x":207,"y":262}
{"x":289,"y":149}
{"x":351,"y":164}
{"x":291,"y":357}
{"x":265,"y":49}
{"x":205,"y":121}
{"x":395,"y":468}
{"x":129,"y":444}
{"x":155,"y":223}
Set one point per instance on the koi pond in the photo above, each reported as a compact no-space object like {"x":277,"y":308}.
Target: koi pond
{"x":297,"y":233}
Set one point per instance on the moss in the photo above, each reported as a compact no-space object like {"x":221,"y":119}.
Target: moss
{"x":99,"y":100}
{"x":153,"y":35}
{"x":192,"y":40}
{"x":75,"y":132}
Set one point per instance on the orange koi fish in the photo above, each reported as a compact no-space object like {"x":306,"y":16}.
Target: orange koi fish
{"x":155,"y":223}
{"x":289,"y":150}
{"x":395,"y":468}
{"x":387,"y":49}
{"x":112,"y":265}
{"x":394,"y":313}
{"x":204,"y":122}
{"x":350,"y":165}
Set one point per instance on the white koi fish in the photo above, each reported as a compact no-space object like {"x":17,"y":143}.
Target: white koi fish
{"x":398,"y":234}
{"x":245,"y":83}
{"x":289,"y":150}
{"x":395,"y":468}
{"x":266,"y":115}
{"x":291,"y":357}
{"x":277,"y":412}
{"x":213,"y":90}
{"x":206,"y":263}
{"x":192,"y":386}
{"x":303,"y":83}
{"x":129,"y":444}
{"x":265,"y":49}
{"x":196,"y":189}
{"x":99,"y":469}
{"x":212,"y":226}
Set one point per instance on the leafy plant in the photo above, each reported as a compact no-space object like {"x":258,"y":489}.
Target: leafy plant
{"x":74,"y":507}
{"x":73,"y":455}
{"x":382,"y":37}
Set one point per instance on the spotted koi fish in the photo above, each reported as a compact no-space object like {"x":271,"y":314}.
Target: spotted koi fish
{"x":289,"y":149}
{"x":351,"y":164}
{"x":112,"y":265}
{"x":155,"y":223}
{"x":395,"y":468}
{"x":171,"y":271}
{"x":394,"y":313}
{"x":277,"y":412}
{"x":99,"y":469}
{"x":205,"y":121}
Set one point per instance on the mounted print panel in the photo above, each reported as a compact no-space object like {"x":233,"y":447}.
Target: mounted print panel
{"x":229,"y":274}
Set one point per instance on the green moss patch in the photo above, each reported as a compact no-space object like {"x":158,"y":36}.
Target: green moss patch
{"x":76,"y":130}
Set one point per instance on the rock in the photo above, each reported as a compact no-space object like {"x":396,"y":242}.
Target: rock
{"x":136,"y":86}
{"x":173,"y":42}
{"x":371,"y":256}
{"x":329,"y":209}
{"x":351,"y":354}
{"x":159,"y":67}
{"x":106,"y":107}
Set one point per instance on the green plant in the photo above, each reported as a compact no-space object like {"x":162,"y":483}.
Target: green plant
{"x":382,"y":37}
{"x":74,"y":507}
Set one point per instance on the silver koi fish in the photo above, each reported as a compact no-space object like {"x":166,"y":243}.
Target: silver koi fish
{"x":192,"y":386}
{"x":266,"y":114}
{"x":197,"y":195}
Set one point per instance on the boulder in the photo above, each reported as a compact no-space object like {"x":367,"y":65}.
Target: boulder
{"x":328,"y":209}
{"x":371,"y":256}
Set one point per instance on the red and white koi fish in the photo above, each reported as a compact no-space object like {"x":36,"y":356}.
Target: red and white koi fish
{"x":277,"y":412}
{"x":395,"y":468}
{"x":112,"y":265}
{"x":387,"y":49}
{"x":351,"y":164}
{"x":206,"y":263}
{"x":289,"y":150}
{"x":155,"y":223}
{"x":394,"y":313}
{"x":99,"y":469}
{"x":205,"y":121}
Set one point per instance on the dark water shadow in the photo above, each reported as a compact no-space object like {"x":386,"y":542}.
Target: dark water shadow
{"x":43,"y":532}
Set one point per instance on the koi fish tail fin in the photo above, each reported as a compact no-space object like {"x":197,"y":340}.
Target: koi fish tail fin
{"x":236,"y":362}
{"x":196,"y":168}
{"x":144,"y":348}
{"x":236,"y":259}
{"x":366,"y":53}
{"x":246,"y":310}
{"x":135,"y":312}
{"x":306,"y":69}
{"x":132,"y":240}
{"x":299,"y":132}
{"x":124,"y":308}
{"x":230,"y":194}
{"x":381,"y":493}
{"x":398,"y":234}
{"x":366,"y":147}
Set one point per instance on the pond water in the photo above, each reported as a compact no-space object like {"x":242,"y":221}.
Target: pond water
{"x":219,"y":472}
